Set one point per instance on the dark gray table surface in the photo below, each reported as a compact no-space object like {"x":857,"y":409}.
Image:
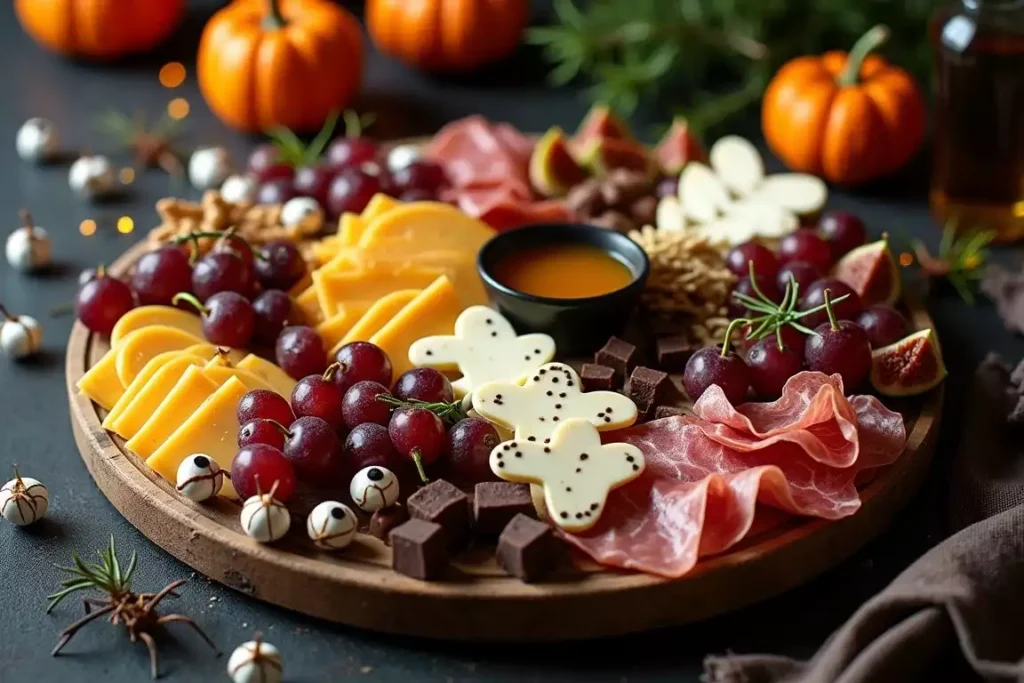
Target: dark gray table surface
{"x":35,"y":431}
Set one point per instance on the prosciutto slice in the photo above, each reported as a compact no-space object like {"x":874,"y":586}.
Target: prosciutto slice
{"x":706,"y":474}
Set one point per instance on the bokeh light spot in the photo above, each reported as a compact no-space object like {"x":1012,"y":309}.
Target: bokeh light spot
{"x":178,"y":108}
{"x":125,"y":225}
{"x":87,"y":227}
{"x":172,"y":74}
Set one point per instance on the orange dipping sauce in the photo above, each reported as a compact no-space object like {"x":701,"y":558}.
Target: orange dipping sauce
{"x":563,"y":271}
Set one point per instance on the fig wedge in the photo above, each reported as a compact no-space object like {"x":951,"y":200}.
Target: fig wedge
{"x":602,"y":155}
{"x":553,"y":170}
{"x":911,"y":366}
{"x":600,"y":122}
{"x":678,"y":147}
{"x":872,"y":272}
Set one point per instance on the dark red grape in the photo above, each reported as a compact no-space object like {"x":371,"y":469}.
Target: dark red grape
{"x":314,"y":450}
{"x":160,"y":274}
{"x":417,"y":196}
{"x":840,"y":346}
{"x":352,"y":151}
{"x":276,"y":191}
{"x":361,"y":405}
{"x":265,"y":465}
{"x":847,"y":309}
{"x":300,"y":351}
{"x":263,"y":404}
{"x":101,"y":302}
{"x":318,"y":396}
{"x":220,"y":271}
{"x":803,"y":272}
{"x":362,"y":361}
{"x":261,"y":431}
{"x":314,"y":181}
{"x":470,"y":443}
{"x":745,"y":286}
{"x":236,"y":244}
{"x":765,"y":264}
{"x":883,"y":324}
{"x":351,"y":190}
{"x":88,"y":275}
{"x":667,"y":187}
{"x":425,"y":175}
{"x":771,"y":367}
{"x":806,"y":245}
{"x":228,"y":320}
{"x":279,"y":265}
{"x":419,"y":435}
{"x":791,"y":337}
{"x":274,"y":311}
{"x":369,"y":444}
{"x":424,"y":384}
{"x":262,"y":158}
{"x":844,"y":232}
{"x":709,"y":366}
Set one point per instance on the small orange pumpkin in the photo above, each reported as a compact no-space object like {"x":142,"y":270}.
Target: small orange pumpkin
{"x":846,"y":118}
{"x":99,"y":30}
{"x":280,"y":63}
{"x":446,"y":35}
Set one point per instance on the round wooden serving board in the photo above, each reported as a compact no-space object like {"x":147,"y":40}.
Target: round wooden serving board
{"x":477,"y":601}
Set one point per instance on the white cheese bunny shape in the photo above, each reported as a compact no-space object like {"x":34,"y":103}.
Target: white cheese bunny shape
{"x":550,"y":396}
{"x":574,"y":468}
{"x":484,"y":349}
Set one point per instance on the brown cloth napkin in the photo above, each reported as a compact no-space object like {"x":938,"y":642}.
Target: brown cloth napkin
{"x":965,"y":595}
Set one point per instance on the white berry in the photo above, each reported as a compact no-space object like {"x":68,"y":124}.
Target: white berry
{"x":23,"y":500}
{"x":255,"y":662}
{"x":209,"y":167}
{"x":92,"y":177}
{"x":374,"y":488}
{"x":265,"y":518}
{"x":238,"y":189}
{"x":37,"y":140}
{"x":199,"y":477}
{"x":20,"y":336}
{"x":402,"y":156}
{"x":331,"y":525}
{"x":301,"y":212}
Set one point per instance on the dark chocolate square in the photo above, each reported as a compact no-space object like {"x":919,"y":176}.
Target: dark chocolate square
{"x":418,"y":549}
{"x":495,"y":503}
{"x":386,"y":519}
{"x":595,"y":377}
{"x":667,"y":411}
{"x":674,"y":352}
{"x":646,"y":387}
{"x":619,"y":355}
{"x":445,"y":504}
{"x":527,"y":549}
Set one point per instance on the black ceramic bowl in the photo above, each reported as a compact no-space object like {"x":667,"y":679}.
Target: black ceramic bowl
{"x":578,"y":326}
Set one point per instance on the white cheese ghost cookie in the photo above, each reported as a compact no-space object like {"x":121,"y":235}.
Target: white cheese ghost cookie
{"x":550,"y":396}
{"x":484,"y":349}
{"x":575,"y":469}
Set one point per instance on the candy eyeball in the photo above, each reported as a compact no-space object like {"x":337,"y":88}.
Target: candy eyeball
{"x":303,"y":213}
{"x":255,"y":662}
{"x":20,"y":336}
{"x":23,"y":500}
{"x":209,"y":167}
{"x":331,"y":525}
{"x":92,"y":177}
{"x":264,"y":518}
{"x":374,"y":488}
{"x":402,"y":156}
{"x":238,"y":189}
{"x":37,"y":140}
{"x":199,"y":477}
{"x":28,"y":248}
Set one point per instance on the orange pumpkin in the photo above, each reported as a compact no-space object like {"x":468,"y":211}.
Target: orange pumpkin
{"x":846,"y":118}
{"x":99,"y":30}
{"x":280,"y":63}
{"x":446,"y":35}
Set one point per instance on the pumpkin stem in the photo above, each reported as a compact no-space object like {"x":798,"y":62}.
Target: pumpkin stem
{"x":864,"y":46}
{"x":274,"y":20}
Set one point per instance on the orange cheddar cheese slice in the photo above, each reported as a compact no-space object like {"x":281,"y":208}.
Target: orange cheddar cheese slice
{"x":422,"y":226}
{"x":378,"y":205}
{"x":335,"y":289}
{"x":101,"y":383}
{"x":212,"y":430}
{"x":209,"y":351}
{"x":149,"y":398}
{"x":432,"y":312}
{"x":350,"y":229}
{"x":278,"y":379}
{"x":309,"y":306}
{"x":146,"y":316}
{"x":188,"y":394}
{"x":333,"y":329}
{"x":139,"y":383}
{"x":378,"y":315}
{"x":141,"y":346}
{"x":221,"y":373}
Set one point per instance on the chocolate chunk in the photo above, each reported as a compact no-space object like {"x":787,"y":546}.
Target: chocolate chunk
{"x":597,"y":377}
{"x":418,"y":550}
{"x":443,"y":503}
{"x":646,"y":387}
{"x":386,"y":519}
{"x":673,"y":352}
{"x":495,"y":503}
{"x":667,"y":411}
{"x":618,"y":355}
{"x":527,"y":549}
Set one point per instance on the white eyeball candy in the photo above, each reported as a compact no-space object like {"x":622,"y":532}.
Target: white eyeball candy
{"x":331,"y":525}
{"x":37,"y":140}
{"x":23,"y":500}
{"x":28,"y":248}
{"x":374,"y":488}
{"x":302,"y":212}
{"x":238,"y":189}
{"x":20,"y":336}
{"x":255,"y":662}
{"x":199,"y":477}
{"x":264,"y":518}
{"x":208,"y":167}
{"x":92,"y":177}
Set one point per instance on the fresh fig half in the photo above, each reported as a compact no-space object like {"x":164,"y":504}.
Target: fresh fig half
{"x":913,"y":365}
{"x":553,"y":170}
{"x":603,"y":155}
{"x":872,"y":272}
{"x":600,"y":122}
{"x":678,"y":147}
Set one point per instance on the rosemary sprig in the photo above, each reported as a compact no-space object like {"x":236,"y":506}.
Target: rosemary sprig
{"x":961,"y":260}
{"x":449,"y":412}
{"x":296,"y":153}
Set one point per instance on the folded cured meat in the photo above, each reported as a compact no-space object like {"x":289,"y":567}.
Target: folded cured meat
{"x":706,"y":474}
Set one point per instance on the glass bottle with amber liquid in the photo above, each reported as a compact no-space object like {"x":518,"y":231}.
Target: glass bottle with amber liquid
{"x":978,"y":169}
